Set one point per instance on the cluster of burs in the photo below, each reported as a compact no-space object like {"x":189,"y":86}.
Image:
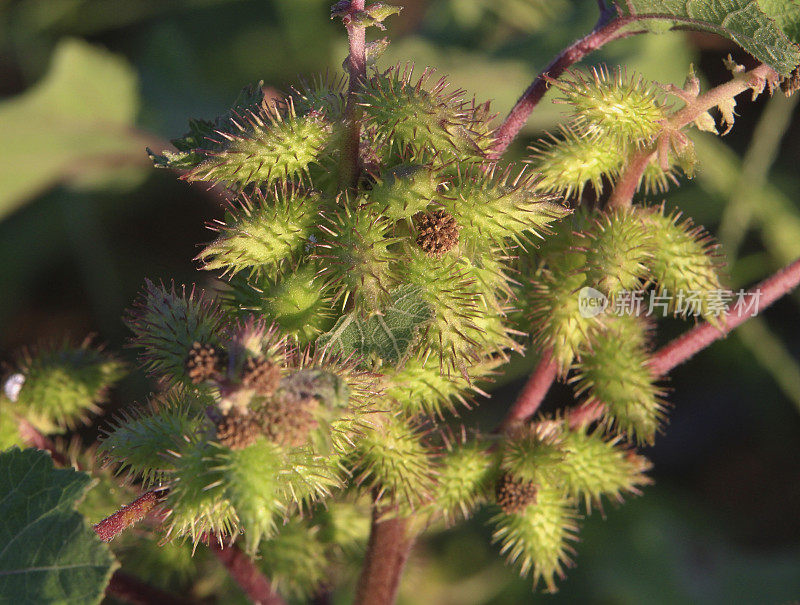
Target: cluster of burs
{"x":354,"y":315}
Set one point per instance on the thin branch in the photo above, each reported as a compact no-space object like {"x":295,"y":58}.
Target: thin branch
{"x":606,"y":30}
{"x":357,"y":67}
{"x":701,"y":336}
{"x":533,"y":392}
{"x":390,"y":543}
{"x":628,"y":182}
{"x":249,"y":578}
{"x":130,"y":514}
{"x":129,"y":588}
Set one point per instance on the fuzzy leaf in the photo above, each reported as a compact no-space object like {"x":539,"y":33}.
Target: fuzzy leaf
{"x":742,"y":21}
{"x":71,"y":123}
{"x":49,"y":554}
{"x":386,"y":337}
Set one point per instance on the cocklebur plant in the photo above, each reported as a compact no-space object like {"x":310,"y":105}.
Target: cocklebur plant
{"x":377,"y":264}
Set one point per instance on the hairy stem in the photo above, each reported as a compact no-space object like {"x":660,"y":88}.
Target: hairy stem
{"x":131,"y":589}
{"x":533,"y":392}
{"x":629,"y":180}
{"x":606,"y":30}
{"x":390,"y":543}
{"x":357,"y":68}
{"x":249,"y":578}
{"x":130,"y":514}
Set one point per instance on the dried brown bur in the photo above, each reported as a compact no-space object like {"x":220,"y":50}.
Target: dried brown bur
{"x":437,"y":232}
{"x":204,"y":362}
{"x":514,"y":494}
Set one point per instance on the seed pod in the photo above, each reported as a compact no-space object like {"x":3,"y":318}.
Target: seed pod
{"x":514,"y":494}
{"x":238,"y":429}
{"x":204,"y":362}
{"x":261,"y":375}
{"x":437,"y":232}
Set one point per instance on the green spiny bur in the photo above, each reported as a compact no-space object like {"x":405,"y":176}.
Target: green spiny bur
{"x":166,"y":322}
{"x":404,"y":191}
{"x":567,"y":162}
{"x":620,"y":378}
{"x":609,"y":105}
{"x":64,"y":383}
{"x":394,"y":462}
{"x":498,"y":209}
{"x":411,"y":118}
{"x":262,"y":233}
{"x":463,"y":477}
{"x":355,"y":256}
{"x":685,"y":263}
{"x":252,"y":484}
{"x":619,"y":247}
{"x":295,"y":560}
{"x":595,"y":466}
{"x":537,"y":539}
{"x":139,"y":440}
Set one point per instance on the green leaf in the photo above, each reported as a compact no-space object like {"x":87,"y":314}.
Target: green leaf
{"x":76,"y":122}
{"x":49,"y":553}
{"x":387,"y":336}
{"x":745,"y":22}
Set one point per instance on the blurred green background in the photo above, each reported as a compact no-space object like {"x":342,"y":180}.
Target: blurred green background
{"x":85,"y":85}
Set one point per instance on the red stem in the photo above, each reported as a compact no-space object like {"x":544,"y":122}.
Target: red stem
{"x":390,"y":543}
{"x":698,"y":338}
{"x":606,"y":30}
{"x":533,"y":392}
{"x":246,"y":574}
{"x":130,"y":514}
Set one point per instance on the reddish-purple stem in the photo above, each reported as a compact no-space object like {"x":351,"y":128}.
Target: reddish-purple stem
{"x":533,"y":392}
{"x":357,"y":68}
{"x":628,"y":182}
{"x":249,"y":578}
{"x":130,"y":514}
{"x":390,"y":543}
{"x":605,"y":31}
{"x":698,"y":338}
{"x":31,"y":436}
